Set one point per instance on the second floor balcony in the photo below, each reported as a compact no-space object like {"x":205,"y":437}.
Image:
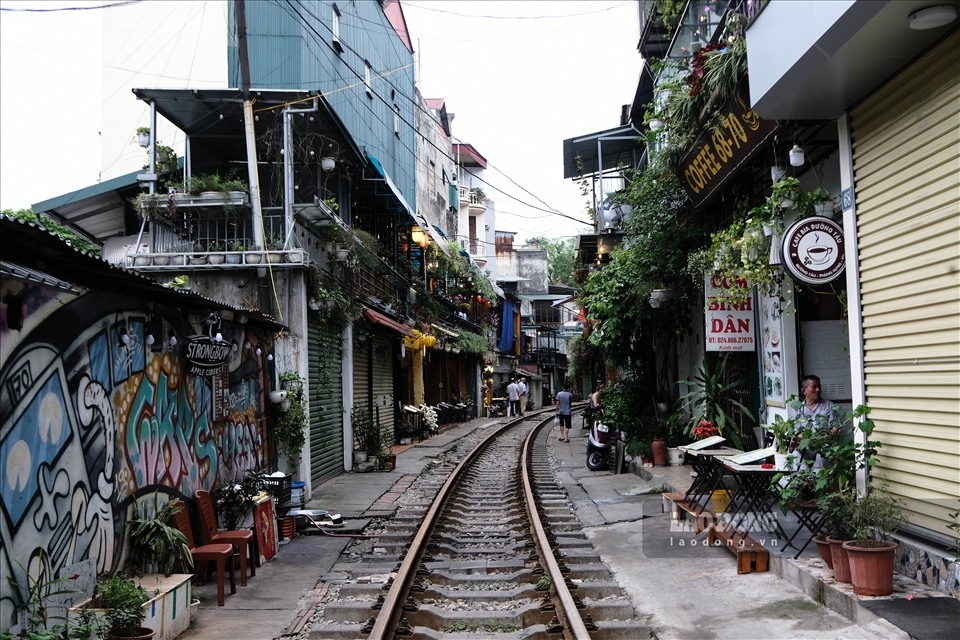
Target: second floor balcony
{"x":215,"y":231}
{"x":474,"y":198}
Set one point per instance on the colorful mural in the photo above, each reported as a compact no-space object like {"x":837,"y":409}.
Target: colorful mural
{"x":94,"y":415}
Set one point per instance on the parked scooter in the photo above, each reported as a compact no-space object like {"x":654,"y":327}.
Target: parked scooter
{"x":602,"y":441}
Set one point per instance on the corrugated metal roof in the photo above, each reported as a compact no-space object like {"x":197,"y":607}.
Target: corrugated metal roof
{"x":36,"y":248}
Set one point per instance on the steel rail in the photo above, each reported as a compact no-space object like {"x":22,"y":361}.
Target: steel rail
{"x":391,"y":610}
{"x":568,"y":612}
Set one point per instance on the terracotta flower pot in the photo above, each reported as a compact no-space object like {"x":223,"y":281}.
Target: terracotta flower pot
{"x":841,"y":566}
{"x":871,"y":566}
{"x":823,"y":548}
{"x":660,"y":452}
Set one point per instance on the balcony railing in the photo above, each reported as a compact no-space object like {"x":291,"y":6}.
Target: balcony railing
{"x":213,"y":231}
{"x":544,"y":358}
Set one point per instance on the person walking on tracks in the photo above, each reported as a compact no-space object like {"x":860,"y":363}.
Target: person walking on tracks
{"x":565,"y":411}
{"x":522,"y":392}
{"x":513,"y":398}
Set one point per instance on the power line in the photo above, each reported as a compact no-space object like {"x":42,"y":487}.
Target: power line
{"x":61,"y":9}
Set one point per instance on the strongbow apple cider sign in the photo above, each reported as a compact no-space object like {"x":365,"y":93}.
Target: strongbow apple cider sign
{"x":730,"y":327}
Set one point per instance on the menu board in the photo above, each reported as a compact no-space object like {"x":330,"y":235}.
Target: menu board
{"x":771,"y":350}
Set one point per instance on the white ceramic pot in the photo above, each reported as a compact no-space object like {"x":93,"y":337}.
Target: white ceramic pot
{"x":675,"y":456}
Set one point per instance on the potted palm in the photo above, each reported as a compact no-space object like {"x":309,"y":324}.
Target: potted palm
{"x":871,"y":559}
{"x":154,"y":545}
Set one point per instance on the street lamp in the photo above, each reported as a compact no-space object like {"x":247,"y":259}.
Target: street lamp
{"x":419,"y":236}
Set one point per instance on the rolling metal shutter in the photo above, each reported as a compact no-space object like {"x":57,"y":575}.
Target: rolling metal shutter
{"x":906,"y":146}
{"x":383,"y":388}
{"x":325,"y":352}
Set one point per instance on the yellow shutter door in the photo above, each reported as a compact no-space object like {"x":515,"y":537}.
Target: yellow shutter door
{"x":906,"y":146}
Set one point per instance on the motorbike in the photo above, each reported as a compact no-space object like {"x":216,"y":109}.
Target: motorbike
{"x":602,"y":450}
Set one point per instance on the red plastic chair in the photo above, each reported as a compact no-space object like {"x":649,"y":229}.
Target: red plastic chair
{"x":241,"y":539}
{"x":221,"y":554}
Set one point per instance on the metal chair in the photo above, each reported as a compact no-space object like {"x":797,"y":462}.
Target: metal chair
{"x":221,"y":554}
{"x":241,"y":539}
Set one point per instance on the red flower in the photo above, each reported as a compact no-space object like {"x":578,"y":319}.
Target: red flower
{"x":705,"y":429}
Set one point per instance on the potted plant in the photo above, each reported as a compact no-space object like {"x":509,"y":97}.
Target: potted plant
{"x":291,"y":423}
{"x":143,"y":136}
{"x":833,"y":484}
{"x":122,"y":602}
{"x":253,"y":255}
{"x":362,"y":423}
{"x":786,"y":192}
{"x":708,"y":399}
{"x":818,"y":202}
{"x":871,"y":560}
{"x":784,"y":435}
{"x":216,"y":253}
{"x":153,"y":545}
{"x":235,"y":500}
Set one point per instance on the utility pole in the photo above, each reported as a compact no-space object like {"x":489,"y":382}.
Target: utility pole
{"x":248,"y":121}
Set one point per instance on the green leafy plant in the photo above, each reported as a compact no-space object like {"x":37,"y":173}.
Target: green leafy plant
{"x":366,"y":433}
{"x":472,"y":343}
{"x":784,"y":432}
{"x":70,"y":237}
{"x":235,"y":500}
{"x":31,"y":601}
{"x":122,"y":601}
{"x":291,"y":423}
{"x":710,"y":399}
{"x":877,"y":512}
{"x":214,"y":182}
{"x":155,"y":545}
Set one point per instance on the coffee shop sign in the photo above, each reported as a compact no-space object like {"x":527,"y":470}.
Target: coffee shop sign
{"x":813,"y":250}
{"x":204,"y":355}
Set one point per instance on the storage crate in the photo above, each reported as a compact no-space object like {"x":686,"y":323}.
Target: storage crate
{"x":278,"y":487}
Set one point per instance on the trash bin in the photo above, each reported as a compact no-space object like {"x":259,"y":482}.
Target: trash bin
{"x":296,"y":493}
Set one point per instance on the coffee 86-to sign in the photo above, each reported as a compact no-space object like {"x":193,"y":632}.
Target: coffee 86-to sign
{"x":719,"y":151}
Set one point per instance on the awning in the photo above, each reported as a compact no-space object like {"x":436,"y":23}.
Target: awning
{"x":620,"y":146}
{"x":378,"y":318}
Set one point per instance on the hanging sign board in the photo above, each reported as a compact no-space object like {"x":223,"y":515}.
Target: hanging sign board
{"x":718,"y":152}
{"x":730,"y":327}
{"x":204,"y":355}
{"x":813,"y":250}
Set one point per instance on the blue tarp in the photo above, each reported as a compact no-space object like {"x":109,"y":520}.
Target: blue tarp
{"x":506,"y":327}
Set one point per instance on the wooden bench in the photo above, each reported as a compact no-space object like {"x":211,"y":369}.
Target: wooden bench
{"x":750,"y":555}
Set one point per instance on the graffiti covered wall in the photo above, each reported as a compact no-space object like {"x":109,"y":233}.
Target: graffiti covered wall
{"x":96,"y":411}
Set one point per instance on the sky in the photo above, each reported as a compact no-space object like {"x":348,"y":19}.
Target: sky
{"x":520,"y":76}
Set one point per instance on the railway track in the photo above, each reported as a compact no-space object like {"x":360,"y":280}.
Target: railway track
{"x":486,"y":545}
